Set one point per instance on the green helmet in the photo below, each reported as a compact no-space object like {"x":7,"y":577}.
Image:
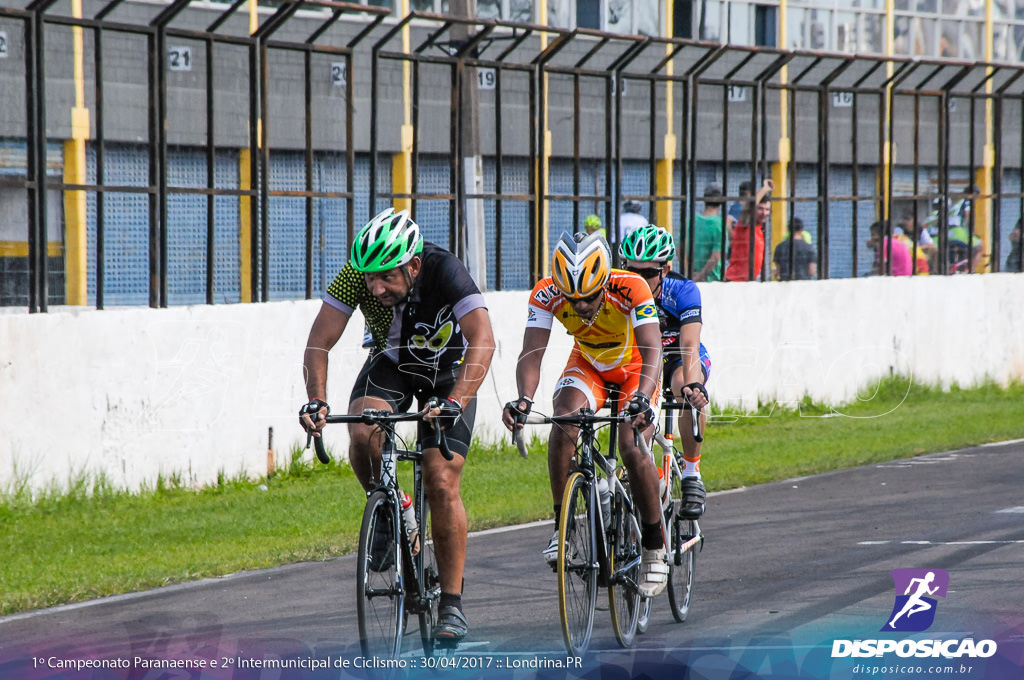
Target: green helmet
{"x":592,"y":221}
{"x":648,"y":244}
{"x":390,"y":240}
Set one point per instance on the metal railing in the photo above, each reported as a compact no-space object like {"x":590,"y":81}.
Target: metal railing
{"x":588,"y":119}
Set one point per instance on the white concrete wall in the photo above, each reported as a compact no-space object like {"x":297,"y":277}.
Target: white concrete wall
{"x":138,"y":392}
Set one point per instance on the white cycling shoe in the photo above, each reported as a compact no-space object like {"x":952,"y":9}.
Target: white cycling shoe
{"x":653,"y":572}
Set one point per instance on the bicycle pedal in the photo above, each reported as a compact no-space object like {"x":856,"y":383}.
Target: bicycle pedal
{"x":446,"y":644}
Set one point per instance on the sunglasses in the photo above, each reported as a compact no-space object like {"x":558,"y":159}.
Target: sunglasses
{"x":587,"y":300}
{"x":646,"y":272}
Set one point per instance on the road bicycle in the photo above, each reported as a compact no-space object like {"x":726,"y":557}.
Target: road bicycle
{"x":397,"y":575}
{"x":683,"y":536}
{"x":599,"y":540}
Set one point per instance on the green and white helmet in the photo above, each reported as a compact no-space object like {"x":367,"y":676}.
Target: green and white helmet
{"x":390,"y":240}
{"x":648,"y":244}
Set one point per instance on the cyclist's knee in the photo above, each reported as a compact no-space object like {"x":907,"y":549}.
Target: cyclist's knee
{"x":631,"y":454}
{"x":361,"y":437}
{"x":443,"y":492}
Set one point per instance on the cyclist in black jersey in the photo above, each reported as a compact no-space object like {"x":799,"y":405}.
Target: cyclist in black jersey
{"x":432,"y":337}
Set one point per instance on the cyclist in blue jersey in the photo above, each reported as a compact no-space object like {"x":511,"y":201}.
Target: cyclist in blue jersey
{"x":648,"y":251}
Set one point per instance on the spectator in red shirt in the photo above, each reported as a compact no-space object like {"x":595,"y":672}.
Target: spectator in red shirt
{"x":756,"y":211}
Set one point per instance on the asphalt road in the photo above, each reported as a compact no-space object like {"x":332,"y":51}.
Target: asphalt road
{"x":786,"y":566}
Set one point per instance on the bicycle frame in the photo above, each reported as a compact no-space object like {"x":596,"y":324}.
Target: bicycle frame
{"x":413,"y":592}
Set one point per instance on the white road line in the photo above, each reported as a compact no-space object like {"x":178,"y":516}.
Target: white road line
{"x":1006,"y":443}
{"x":1006,"y":542}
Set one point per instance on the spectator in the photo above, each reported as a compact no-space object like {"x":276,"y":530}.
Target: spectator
{"x":805,"y":264}
{"x":630,"y":219}
{"x":746,"y":190}
{"x":592,"y":223}
{"x":926,"y":249}
{"x":957,"y":249}
{"x":1013,"y":260}
{"x":880,"y":244}
{"x":707,"y":236}
{"x":755,"y":213}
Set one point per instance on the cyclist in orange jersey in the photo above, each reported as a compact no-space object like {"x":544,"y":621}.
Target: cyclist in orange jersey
{"x":612,"y":316}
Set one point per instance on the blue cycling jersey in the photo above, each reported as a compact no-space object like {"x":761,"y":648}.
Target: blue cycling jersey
{"x":678,"y":303}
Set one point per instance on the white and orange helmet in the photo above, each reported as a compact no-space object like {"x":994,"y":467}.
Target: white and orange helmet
{"x":581,"y":264}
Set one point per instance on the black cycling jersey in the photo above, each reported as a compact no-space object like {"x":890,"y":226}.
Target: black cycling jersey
{"x":421,"y":334}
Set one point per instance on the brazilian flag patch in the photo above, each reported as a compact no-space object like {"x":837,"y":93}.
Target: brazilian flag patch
{"x":646,"y":312}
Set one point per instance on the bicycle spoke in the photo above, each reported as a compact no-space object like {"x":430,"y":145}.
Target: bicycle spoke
{"x":624,"y":552}
{"x":577,"y":573}
{"x":380,"y":595}
{"x":429,"y":584}
{"x":683,"y":541}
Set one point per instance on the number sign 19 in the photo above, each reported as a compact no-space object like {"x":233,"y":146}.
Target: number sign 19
{"x":486,"y":78}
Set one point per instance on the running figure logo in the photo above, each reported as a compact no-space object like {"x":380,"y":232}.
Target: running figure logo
{"x":914,"y":609}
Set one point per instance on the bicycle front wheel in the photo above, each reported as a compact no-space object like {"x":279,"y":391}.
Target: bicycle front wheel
{"x":577,"y":565}
{"x":624,"y":565}
{"x":684,"y":538}
{"x":380,"y":598}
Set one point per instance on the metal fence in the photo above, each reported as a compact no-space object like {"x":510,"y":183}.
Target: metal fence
{"x":243,"y":177}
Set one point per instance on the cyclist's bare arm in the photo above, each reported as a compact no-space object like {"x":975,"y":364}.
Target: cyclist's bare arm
{"x":327,"y":328}
{"x":535,"y":342}
{"x":476,"y":328}
{"x":648,"y":340}
{"x":689,"y":347}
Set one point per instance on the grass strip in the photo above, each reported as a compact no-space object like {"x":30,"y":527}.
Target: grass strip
{"x":91,"y":540}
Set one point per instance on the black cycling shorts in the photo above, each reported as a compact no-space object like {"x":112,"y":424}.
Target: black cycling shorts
{"x":382,"y":378}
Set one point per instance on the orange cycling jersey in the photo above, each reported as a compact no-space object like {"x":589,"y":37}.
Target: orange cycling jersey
{"x":609,"y":342}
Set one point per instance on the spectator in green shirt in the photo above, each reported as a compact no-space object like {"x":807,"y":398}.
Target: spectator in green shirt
{"x":707,"y":236}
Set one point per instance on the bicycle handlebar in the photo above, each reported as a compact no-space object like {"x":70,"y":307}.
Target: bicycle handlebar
{"x":695,"y":416}
{"x":579,"y":418}
{"x":377,"y":417}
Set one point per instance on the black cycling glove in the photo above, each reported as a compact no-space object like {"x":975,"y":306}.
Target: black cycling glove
{"x":312,"y":409}
{"x":519,"y":414}
{"x":698,"y":387}
{"x":451,"y":411}
{"x":640,"y":405}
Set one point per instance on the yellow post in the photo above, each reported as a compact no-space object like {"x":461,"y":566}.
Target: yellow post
{"x":780,"y":170}
{"x":983,"y":176}
{"x":401,"y":163}
{"x":75,"y":222}
{"x":664,"y":167}
{"x":888,"y":146}
{"x":244,"y":202}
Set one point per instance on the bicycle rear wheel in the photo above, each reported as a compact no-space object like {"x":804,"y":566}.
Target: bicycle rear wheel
{"x":684,"y":536}
{"x":624,"y":565}
{"x":430,"y":585}
{"x":380,"y":594}
{"x":577,"y":565}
